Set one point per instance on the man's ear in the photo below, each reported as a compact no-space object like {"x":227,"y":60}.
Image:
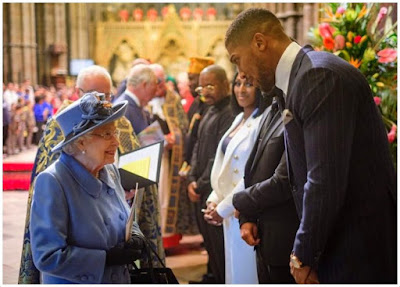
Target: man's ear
{"x":260,"y":41}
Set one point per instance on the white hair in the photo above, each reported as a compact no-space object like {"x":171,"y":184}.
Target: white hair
{"x":139,"y":74}
{"x":89,"y":72}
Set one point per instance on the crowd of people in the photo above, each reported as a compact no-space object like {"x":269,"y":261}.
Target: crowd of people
{"x":26,"y":110}
{"x":285,"y":169}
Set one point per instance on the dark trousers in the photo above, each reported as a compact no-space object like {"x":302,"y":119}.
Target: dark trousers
{"x":5,"y":134}
{"x":270,"y":274}
{"x":38,"y":135}
{"x":214,"y":243}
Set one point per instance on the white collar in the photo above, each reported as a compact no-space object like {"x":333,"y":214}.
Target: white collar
{"x":133,"y":97}
{"x":282,"y":73}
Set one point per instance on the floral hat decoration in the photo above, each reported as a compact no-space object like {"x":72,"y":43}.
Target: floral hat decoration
{"x":84,"y":115}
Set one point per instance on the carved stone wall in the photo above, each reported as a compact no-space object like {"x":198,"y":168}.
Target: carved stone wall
{"x":172,"y":41}
{"x":40,"y":39}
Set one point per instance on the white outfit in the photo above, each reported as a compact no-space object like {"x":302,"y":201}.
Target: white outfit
{"x":226,"y":179}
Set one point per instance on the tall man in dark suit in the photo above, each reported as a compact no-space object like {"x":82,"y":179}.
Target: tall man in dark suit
{"x":141,"y":88}
{"x":214,"y":87}
{"x":340,"y":170}
{"x":268,"y":218}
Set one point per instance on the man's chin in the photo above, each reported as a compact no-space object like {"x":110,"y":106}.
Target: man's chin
{"x":267,"y":95}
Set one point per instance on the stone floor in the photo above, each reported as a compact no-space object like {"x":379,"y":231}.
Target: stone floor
{"x":187,"y":260}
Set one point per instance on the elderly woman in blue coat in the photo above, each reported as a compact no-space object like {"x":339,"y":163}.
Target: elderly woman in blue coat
{"x":78,"y":218}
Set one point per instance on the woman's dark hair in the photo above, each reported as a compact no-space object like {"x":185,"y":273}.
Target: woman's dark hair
{"x":261,"y":104}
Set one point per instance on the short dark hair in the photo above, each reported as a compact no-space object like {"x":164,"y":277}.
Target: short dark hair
{"x":249,"y":22}
{"x":260,"y":103}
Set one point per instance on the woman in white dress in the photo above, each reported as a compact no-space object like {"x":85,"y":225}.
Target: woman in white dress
{"x":227,"y":178}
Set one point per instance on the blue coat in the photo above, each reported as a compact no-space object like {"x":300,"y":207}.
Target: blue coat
{"x":75,"y":218}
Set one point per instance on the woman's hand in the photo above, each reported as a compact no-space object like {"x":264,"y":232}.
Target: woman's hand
{"x":126,"y":252}
{"x":211,"y":215}
{"x":119,"y":255}
{"x":130,"y":194}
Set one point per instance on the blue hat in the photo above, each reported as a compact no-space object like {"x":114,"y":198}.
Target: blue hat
{"x":86,"y":114}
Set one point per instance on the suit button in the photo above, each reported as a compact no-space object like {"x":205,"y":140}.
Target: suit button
{"x":236,"y":156}
{"x":121,"y":216}
{"x":107,"y":221}
{"x":110,"y":191}
{"x":236,"y":170}
{"x":84,"y":278}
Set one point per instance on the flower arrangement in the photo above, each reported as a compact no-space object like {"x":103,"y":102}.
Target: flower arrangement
{"x":365,"y":36}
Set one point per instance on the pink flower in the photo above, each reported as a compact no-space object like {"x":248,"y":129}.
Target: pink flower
{"x":387,"y":55}
{"x":382,"y":14}
{"x":357,"y":39}
{"x":394,"y":128}
{"x":391,"y":136}
{"x":339,"y":42}
{"x":325,"y":30}
{"x":340,"y":10}
{"x":377,"y":100}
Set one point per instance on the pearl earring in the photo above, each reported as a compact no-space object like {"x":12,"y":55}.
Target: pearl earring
{"x":83,"y":152}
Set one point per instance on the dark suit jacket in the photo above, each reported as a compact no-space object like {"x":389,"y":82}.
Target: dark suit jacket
{"x":135,"y":114}
{"x":212,"y":127}
{"x":343,"y":180}
{"x":267,"y":197}
{"x":199,"y":108}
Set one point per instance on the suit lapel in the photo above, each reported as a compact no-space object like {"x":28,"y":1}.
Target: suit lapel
{"x":234,"y":142}
{"x":297,"y":65}
{"x":272,"y":125}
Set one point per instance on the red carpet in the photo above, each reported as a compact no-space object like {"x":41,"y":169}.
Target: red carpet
{"x":172,"y":240}
{"x":16,"y":176}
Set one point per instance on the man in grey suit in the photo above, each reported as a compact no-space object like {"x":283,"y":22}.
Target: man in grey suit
{"x":340,"y":170}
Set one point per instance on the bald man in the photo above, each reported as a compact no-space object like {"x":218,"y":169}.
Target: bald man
{"x":214,"y":87}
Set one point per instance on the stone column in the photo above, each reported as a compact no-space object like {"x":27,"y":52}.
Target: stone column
{"x":29,"y":42}
{"x":290,"y":23}
{"x":15,"y":42}
{"x":308,"y":19}
{"x":61,"y":37}
{"x":79,"y":34}
{"x":6,"y":40}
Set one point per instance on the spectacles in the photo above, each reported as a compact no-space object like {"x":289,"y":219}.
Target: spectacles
{"x":109,"y":134}
{"x":108,"y":96}
{"x":201,"y":90}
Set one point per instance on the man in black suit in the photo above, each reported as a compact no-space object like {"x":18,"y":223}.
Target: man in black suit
{"x":268,"y":218}
{"x":340,"y":169}
{"x":214,"y":87}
